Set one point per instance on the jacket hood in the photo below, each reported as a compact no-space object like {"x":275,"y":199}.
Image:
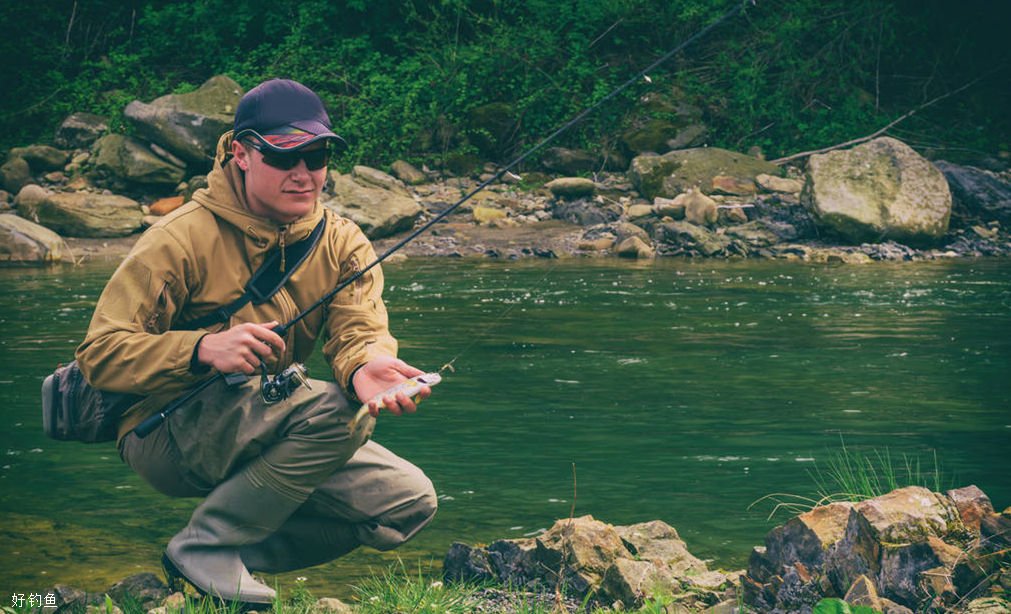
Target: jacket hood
{"x":225,"y":196}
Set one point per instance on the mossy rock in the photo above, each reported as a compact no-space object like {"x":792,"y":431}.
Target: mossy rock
{"x":677,"y":171}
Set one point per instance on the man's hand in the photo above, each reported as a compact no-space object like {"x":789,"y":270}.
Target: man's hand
{"x":380,"y":374}
{"x":240,"y":348}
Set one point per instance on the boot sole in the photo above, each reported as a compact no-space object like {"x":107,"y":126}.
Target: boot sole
{"x":177,"y":582}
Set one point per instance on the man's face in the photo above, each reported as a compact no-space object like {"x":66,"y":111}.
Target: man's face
{"x":281,"y":195}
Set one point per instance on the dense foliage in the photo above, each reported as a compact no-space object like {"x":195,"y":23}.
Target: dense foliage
{"x":402,"y":77}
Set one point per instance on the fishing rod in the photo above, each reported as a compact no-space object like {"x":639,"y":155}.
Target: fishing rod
{"x":280,"y":386}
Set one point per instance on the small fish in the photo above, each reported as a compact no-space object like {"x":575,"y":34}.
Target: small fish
{"x":411,"y":387}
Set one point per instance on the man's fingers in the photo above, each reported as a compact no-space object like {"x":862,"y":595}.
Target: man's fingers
{"x":405,"y":369}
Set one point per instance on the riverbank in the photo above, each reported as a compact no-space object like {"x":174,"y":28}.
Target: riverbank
{"x":899,"y":552}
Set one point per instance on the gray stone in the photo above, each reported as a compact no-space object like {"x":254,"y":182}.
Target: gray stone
{"x":680,"y":238}
{"x":678,"y":171}
{"x":82,"y":214}
{"x":188,"y":125}
{"x":634,"y":247}
{"x":639,"y":211}
{"x":699,"y":208}
{"x":773,"y":183}
{"x":380,"y":213}
{"x":807,"y":537}
{"x":30,"y":196}
{"x":863,"y":592}
{"x":571,"y":187}
{"x":41,"y":158}
{"x":407,"y":173}
{"x":370,"y":176}
{"x":624,"y":230}
{"x":80,"y":130}
{"x":762,"y":233}
{"x":977,"y":194}
{"x":881,"y":189}
{"x":146,"y":588}
{"x":669,"y":207}
{"x":130,"y":159}
{"x":657,"y":540}
{"x":631,"y":582}
{"x":585,"y":212}
{"x":569,"y":161}
{"x":15,"y":174}
{"x":24,"y":241}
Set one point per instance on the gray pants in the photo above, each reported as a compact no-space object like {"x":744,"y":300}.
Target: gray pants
{"x":374,"y":498}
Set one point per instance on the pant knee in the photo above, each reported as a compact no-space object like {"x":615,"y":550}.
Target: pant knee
{"x":400,"y":524}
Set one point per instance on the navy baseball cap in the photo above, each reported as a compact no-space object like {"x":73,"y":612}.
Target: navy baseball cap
{"x":284,"y":115}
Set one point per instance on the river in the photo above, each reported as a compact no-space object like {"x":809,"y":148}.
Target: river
{"x":675,"y":390}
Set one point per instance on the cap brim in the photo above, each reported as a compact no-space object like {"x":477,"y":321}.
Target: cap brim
{"x":293,"y":141}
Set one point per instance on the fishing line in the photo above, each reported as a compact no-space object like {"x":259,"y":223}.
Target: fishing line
{"x":293,"y":374}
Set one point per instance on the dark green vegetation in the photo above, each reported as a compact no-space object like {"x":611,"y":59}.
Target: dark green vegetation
{"x":407,"y":78}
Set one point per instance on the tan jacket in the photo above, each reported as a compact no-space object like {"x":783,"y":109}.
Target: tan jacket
{"x":199,"y":258}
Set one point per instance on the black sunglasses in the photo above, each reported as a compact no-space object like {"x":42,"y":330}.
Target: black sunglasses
{"x":314,"y":160}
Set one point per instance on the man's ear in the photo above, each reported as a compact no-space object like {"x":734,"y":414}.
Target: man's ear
{"x":241,"y":155}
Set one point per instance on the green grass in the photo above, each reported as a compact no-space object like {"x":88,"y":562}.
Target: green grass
{"x":852,"y":476}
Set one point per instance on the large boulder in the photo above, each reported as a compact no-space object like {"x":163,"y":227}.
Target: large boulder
{"x":80,"y":130}
{"x":24,"y":241}
{"x":977,"y":194}
{"x":84,"y":214}
{"x":876,"y":191}
{"x":188,"y":125}
{"x":41,"y":157}
{"x":678,"y":171}
{"x":132,"y":160}
{"x":379,"y":212}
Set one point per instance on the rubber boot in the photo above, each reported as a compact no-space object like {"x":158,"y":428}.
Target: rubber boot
{"x":303,"y":541}
{"x":242,"y":510}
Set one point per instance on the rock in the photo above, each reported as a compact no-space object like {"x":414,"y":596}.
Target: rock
{"x":772,"y":183}
{"x":631,"y":582}
{"x":727,"y":215}
{"x":638,"y":211}
{"x":624,"y":230}
{"x":24,"y":241}
{"x":995,"y":530}
{"x":634,"y":247}
{"x":380,"y":213}
{"x":487,"y":215}
{"x":733,"y":186}
{"x":82,"y":214}
{"x":585,"y":212}
{"x":581,"y":549}
{"x":30,"y":196}
{"x":330,"y":605}
{"x":102,"y":609}
{"x":677,"y":171}
{"x":596,"y":245}
{"x":175,"y":602}
{"x":881,"y":189}
{"x":807,"y":538}
{"x":664,"y":121}
{"x":907,"y":568}
{"x":569,"y":161}
{"x":41,"y":158}
{"x":863,"y":592}
{"x":15,"y":174}
{"x":686,"y":239}
{"x":164,"y":206}
{"x":130,"y":159}
{"x":977,"y":194}
{"x":788,"y":213}
{"x":571,"y":187}
{"x":762,"y":233}
{"x":188,"y":125}
{"x":196,"y":182}
{"x":407,"y":173}
{"x":55,"y":177}
{"x":972,"y":505}
{"x":699,"y":208}
{"x":514,"y":561}
{"x":669,"y":207}
{"x":146,"y":588}
{"x":374,"y":177}
{"x":658,"y":541}
{"x":80,"y":130}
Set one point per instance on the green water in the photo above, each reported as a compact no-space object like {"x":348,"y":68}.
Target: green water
{"x":680,"y":390}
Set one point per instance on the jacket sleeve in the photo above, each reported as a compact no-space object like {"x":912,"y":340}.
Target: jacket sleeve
{"x":356,"y":320}
{"x":129,"y":347}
